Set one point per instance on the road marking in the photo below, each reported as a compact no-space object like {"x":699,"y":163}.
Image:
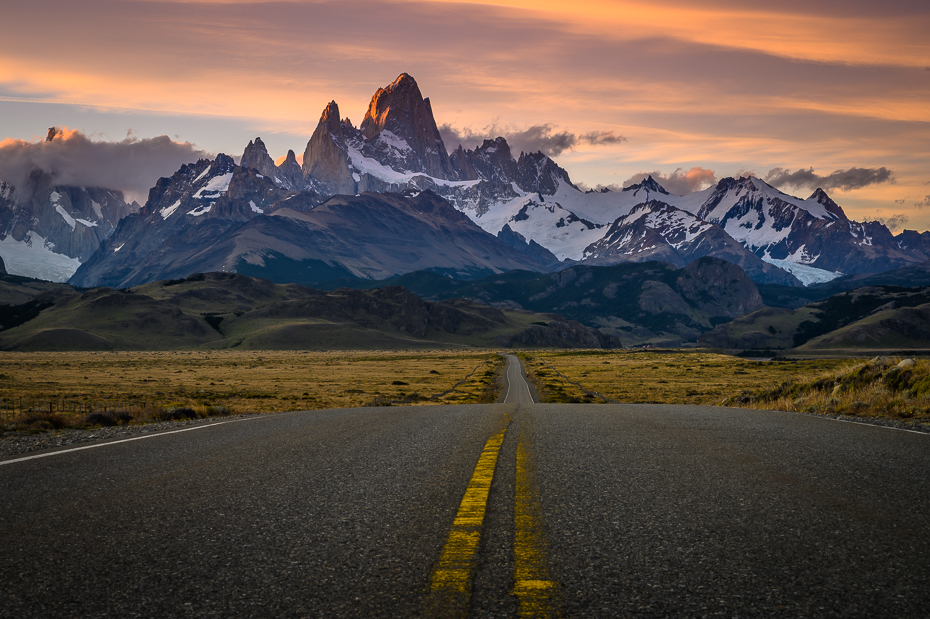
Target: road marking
{"x":450,"y":585}
{"x":124,"y":440}
{"x":532,"y":584}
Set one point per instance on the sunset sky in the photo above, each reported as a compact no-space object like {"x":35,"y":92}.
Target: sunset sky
{"x":612,"y":89}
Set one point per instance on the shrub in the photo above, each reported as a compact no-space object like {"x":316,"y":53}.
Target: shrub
{"x":108,"y":418}
{"x":42,"y":421}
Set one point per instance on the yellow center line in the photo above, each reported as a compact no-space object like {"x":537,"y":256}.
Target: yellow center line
{"x":532,"y":584}
{"x":450,"y":585}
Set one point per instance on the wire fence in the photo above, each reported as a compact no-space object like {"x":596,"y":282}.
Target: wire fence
{"x":12,"y":407}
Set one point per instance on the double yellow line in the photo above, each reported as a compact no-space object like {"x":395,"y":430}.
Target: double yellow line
{"x":451,"y":582}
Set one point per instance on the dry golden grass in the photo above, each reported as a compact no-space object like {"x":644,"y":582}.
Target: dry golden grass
{"x":673,"y":377}
{"x":245,"y":382}
{"x":876,"y":388}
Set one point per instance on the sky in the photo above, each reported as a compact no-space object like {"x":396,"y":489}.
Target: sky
{"x":832,"y":93}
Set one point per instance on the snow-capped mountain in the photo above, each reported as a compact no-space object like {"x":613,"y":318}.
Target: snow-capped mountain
{"x":812,"y":239}
{"x":219,"y":216}
{"x":787,"y":231}
{"x":47,"y":230}
{"x":655,"y":230}
{"x":527,"y":203}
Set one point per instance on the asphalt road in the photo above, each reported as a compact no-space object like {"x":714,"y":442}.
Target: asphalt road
{"x":594,"y":510}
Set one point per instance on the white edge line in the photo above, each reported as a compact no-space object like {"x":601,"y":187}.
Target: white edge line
{"x":826,"y":418}
{"x":862,"y":423}
{"x":526,"y":384}
{"x":122,"y":440}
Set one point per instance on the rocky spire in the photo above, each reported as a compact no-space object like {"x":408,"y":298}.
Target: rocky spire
{"x":402,"y":110}
{"x":256,"y":157}
{"x":326,"y":157}
{"x":289,"y":171}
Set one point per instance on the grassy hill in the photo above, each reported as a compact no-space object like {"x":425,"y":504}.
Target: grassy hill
{"x":225,"y":310}
{"x":868,"y":318}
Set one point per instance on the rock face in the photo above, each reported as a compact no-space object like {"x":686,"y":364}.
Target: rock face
{"x":256,"y":157}
{"x":403,"y":120}
{"x":326,"y":157}
{"x":915,"y":242}
{"x":534,"y":250}
{"x":290,"y":173}
{"x":398,"y":146}
{"x":47,"y":230}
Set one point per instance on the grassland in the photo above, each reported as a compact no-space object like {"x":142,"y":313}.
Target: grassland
{"x":848,"y":387}
{"x":672,"y":377}
{"x":241,"y":382}
{"x":888,"y":387}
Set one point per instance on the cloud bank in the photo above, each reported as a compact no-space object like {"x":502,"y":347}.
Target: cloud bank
{"x":537,"y":138}
{"x":71,"y":158}
{"x":844,"y":180}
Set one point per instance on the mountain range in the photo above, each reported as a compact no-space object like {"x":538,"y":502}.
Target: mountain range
{"x":387,"y":198}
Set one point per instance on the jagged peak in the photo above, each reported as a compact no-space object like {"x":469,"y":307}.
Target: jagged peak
{"x":649,"y":185}
{"x":498,"y":143}
{"x":820,"y":195}
{"x":223,"y":164}
{"x":404,"y":80}
{"x":403,"y":90}
{"x":329,"y":112}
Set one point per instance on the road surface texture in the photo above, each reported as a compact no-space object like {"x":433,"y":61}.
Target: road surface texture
{"x":504,"y":510}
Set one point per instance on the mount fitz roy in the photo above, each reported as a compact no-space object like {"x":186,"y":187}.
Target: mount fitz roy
{"x":387,"y":197}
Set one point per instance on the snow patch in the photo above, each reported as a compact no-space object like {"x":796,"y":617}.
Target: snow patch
{"x":65,"y":215}
{"x":366,"y":165}
{"x":84,"y":222}
{"x":214,"y":187}
{"x":33,"y":257}
{"x":202,"y":174}
{"x":169,"y":210}
{"x":255,"y":209}
{"x":201,"y":210}
{"x":394,"y":141}
{"x":116,"y":249}
{"x":98,"y":210}
{"x":806,"y":274}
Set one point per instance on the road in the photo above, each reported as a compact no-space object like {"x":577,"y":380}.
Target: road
{"x":504,"y":510}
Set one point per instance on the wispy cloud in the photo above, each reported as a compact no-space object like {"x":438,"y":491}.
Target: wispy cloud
{"x":71,"y":158}
{"x":536,"y":138}
{"x":844,"y":180}
{"x":893,"y":222}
